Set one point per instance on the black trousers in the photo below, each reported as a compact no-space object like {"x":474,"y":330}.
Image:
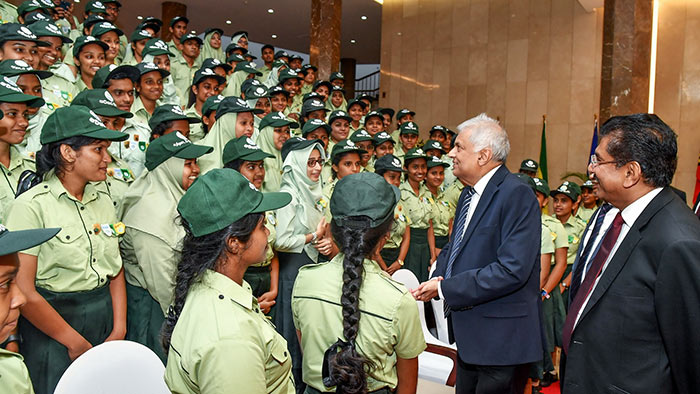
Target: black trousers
{"x":481,"y":379}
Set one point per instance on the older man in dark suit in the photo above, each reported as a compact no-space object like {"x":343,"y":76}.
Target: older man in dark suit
{"x":634,"y":316}
{"x":488,"y":274}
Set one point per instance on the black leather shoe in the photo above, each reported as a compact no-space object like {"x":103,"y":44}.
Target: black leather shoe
{"x":548,"y":379}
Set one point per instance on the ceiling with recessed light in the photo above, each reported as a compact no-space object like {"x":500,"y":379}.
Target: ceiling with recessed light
{"x":289,"y":21}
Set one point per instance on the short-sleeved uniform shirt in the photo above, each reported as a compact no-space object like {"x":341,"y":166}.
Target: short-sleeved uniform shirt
{"x":141,"y":115}
{"x":59,"y":90}
{"x":270,"y":223}
{"x":574,"y":229}
{"x":398,"y":228}
{"x":119,"y":178}
{"x":8,"y":12}
{"x":10,"y":178}
{"x":223,"y":343}
{"x":441,"y":213}
{"x":84,"y":255}
{"x":453,"y":192}
{"x":132,"y":151}
{"x":182,"y":75}
{"x":557,"y":233}
{"x":584,"y":213}
{"x":196,"y":130}
{"x":389,"y":325}
{"x":417,"y":207}
{"x":14,"y":376}
{"x":546,"y":240}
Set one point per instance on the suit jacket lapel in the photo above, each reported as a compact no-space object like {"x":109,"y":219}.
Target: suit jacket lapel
{"x":626,"y":248}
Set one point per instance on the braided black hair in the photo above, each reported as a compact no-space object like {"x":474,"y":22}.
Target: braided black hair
{"x":50,"y":157}
{"x":198,"y":255}
{"x":348,"y":369}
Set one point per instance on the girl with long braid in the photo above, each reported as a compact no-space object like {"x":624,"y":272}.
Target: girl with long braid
{"x":216,"y":338}
{"x":371,"y":336}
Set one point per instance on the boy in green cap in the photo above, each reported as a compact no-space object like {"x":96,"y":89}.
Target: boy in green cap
{"x":184,"y":66}
{"x":178,"y":28}
{"x":589,"y":202}
{"x":120,"y":82}
{"x":13,"y":127}
{"x":150,"y":247}
{"x":15,"y":377}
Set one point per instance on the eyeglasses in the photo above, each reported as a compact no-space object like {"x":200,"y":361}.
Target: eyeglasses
{"x":595,"y":163}
{"x":312,"y":162}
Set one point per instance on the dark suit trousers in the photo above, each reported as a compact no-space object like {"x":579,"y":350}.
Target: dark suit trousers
{"x":480,"y":379}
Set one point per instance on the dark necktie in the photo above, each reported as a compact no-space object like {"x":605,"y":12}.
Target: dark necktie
{"x":581,"y":264}
{"x":457,"y":236}
{"x":587,"y":286}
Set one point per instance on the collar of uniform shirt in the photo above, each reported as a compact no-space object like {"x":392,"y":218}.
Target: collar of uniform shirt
{"x":480,"y":185}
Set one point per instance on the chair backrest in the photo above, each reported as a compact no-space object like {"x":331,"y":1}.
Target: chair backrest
{"x":406,"y":277}
{"x":440,"y":320}
{"x":115,"y":367}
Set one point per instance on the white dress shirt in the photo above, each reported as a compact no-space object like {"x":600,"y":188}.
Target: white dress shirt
{"x":629,"y":216}
{"x":479,"y":188}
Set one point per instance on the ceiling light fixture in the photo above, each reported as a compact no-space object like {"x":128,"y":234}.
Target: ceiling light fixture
{"x":270,"y":11}
{"x":228,"y":22}
{"x":363,"y":17}
{"x":274,"y":36}
{"x":379,"y":2}
{"x":139,"y":17}
{"x":194,"y":32}
{"x":352,"y":41}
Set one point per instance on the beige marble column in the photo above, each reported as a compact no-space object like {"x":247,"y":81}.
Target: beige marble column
{"x":624,"y":85}
{"x":324,"y":51}
{"x":170,"y":10}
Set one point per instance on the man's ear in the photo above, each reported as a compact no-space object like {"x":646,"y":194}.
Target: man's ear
{"x":633,"y":174}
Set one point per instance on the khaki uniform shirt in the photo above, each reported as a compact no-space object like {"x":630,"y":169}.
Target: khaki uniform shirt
{"x":57,"y":90}
{"x":141,"y":115}
{"x":389,"y":326}
{"x":270,"y":223}
{"x":453,"y":192}
{"x":196,"y":130}
{"x":10,"y":177}
{"x":182,"y":75}
{"x":8,"y":12}
{"x":223,"y":343}
{"x":133,"y":150}
{"x":546,"y":240}
{"x":441,"y":213}
{"x":119,"y":177}
{"x":418,"y":207}
{"x":584,"y":213}
{"x":398,"y":228}
{"x":85,"y":253}
{"x":14,"y":376}
{"x":574,"y":228}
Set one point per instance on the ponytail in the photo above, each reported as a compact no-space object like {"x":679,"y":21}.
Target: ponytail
{"x":200,"y":254}
{"x":347,"y":369}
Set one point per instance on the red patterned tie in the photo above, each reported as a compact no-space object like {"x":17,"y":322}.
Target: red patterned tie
{"x":587,"y":286}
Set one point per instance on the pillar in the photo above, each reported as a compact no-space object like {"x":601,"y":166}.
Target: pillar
{"x":324,"y":51}
{"x":170,"y":9}
{"x":627,"y":26}
{"x":347,"y":67}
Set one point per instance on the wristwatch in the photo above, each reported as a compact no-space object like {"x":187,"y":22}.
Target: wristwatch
{"x":545,"y":294}
{"x":314,"y":238}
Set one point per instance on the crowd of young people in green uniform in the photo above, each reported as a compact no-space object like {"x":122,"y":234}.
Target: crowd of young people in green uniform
{"x":241,"y":221}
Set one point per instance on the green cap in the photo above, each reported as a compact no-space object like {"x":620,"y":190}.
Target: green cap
{"x":11,"y":93}
{"x":357,"y":102}
{"x":277,"y":90}
{"x":213,"y":63}
{"x":281,"y":53}
{"x":104,"y":27}
{"x":168,"y":112}
{"x":435,"y":161}
{"x":541,"y":186}
{"x":251,"y":82}
{"x":35,"y":16}
{"x":76,"y":120}
{"x":204,"y":73}
{"x":17,"y":32}
{"x":48,"y":29}
{"x":140,"y":34}
{"x":297,"y":143}
{"x":350,"y":200}
{"x":15,"y":241}
{"x":155,"y":47}
{"x":173,"y":145}
{"x":211,"y":104}
{"x":432,"y":144}
{"x":212,"y":29}
{"x":345,"y":146}
{"x":178,"y":19}
{"x":236,"y":57}
{"x":13,"y":68}
{"x":381,"y":138}
{"x":106,"y":73}
{"x":403,"y":112}
{"x":312,"y":105}
{"x":234,"y":104}
{"x":91,"y":20}
{"x":361,"y":135}
{"x":147,"y":67}
{"x":82,"y":41}
{"x":408,"y":128}
{"x":101,"y":102}
{"x":337,"y":75}
{"x":190,"y":36}
{"x":95,"y":7}
{"x":248,"y":67}
{"x":337,"y":88}
{"x":277,"y":119}
{"x":339,"y":114}
{"x":223,"y":196}
{"x":28,"y":6}
{"x":288,"y":74}
{"x":387,"y":111}
{"x":415,"y":153}
{"x":374,"y":114}
{"x":312,"y":95}
{"x":388,"y":163}
{"x":307,"y":67}
{"x":320,"y":83}
{"x":243,"y":148}
{"x":529,"y":165}
{"x":314,"y":124}
{"x":438,"y":128}
{"x":528,"y":180}
{"x":588,"y":184}
{"x":570,"y":189}
{"x":256,"y":92}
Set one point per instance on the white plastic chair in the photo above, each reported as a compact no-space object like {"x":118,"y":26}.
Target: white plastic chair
{"x":438,"y":363}
{"x":115,"y":367}
{"x":440,"y":320}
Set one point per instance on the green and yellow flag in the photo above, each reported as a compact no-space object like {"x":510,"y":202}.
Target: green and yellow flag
{"x":543,"y":151}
